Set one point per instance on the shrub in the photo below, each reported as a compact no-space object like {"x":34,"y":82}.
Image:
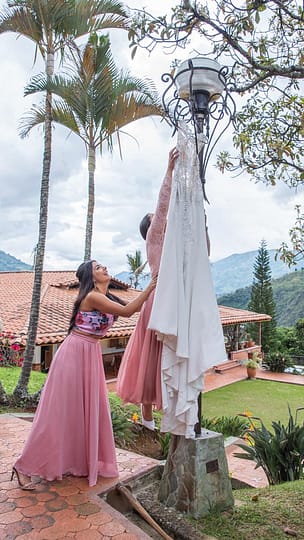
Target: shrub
{"x":280,"y":454}
{"x":164,"y":440}
{"x":121,"y":420}
{"x":229,"y":426}
{"x":122,"y":428}
{"x":11,"y":353}
{"x":277,"y":361}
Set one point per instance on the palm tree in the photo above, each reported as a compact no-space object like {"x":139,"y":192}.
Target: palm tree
{"x":136,"y":266}
{"x":95,"y":102}
{"x":51,"y":25}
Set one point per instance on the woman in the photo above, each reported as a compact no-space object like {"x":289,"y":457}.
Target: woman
{"x":139,"y":374}
{"x":72,"y":429}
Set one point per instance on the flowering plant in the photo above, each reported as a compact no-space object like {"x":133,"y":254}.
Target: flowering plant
{"x":253,"y":362}
{"x":11,"y":352}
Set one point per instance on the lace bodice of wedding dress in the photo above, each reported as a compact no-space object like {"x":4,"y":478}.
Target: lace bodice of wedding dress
{"x":185,"y":312}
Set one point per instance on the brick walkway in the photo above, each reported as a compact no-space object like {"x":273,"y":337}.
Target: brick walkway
{"x":69,"y":508}
{"x":63,"y":509}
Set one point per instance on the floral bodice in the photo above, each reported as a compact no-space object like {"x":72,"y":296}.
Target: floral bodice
{"x":93,"y":322}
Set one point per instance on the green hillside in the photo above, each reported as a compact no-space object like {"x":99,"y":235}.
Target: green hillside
{"x":288,"y":293}
{"x":8,"y":263}
{"x":236,"y":271}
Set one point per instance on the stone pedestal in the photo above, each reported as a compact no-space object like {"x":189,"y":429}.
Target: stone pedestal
{"x":196,"y":478}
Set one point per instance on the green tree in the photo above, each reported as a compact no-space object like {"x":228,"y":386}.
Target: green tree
{"x":286,"y":340}
{"x":96,"y":100}
{"x":294,"y":252}
{"x":261,"y":299}
{"x":299,"y":331}
{"x":136,"y":266}
{"x":262,"y":42}
{"x":51,"y":25}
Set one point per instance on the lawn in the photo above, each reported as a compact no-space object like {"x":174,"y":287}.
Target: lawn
{"x":273,"y":513}
{"x":9,"y":377}
{"x":268,"y":400}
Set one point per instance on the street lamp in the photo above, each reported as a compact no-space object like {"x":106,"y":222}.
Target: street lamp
{"x":201,"y":97}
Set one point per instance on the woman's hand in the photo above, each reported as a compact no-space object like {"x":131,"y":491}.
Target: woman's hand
{"x":152,"y":283}
{"x":173,"y":155}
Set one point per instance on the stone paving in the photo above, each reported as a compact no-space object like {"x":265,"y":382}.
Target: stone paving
{"x":70,"y":509}
{"x":63,"y":509}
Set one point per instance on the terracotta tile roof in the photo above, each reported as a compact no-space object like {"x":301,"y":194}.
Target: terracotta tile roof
{"x":231,"y":315}
{"x":57,"y":298}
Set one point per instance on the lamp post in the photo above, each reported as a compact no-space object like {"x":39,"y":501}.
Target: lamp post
{"x":202,"y":98}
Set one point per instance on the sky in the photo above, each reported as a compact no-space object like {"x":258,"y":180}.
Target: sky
{"x":241,"y":213}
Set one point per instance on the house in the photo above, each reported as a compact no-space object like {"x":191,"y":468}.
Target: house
{"x":59,"y":290}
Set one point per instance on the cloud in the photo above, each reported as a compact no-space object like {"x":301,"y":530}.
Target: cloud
{"x":241,"y":213}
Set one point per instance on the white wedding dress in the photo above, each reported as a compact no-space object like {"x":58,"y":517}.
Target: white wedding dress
{"x":185,"y":313}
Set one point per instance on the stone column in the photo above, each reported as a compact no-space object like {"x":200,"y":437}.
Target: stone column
{"x":196,"y":478}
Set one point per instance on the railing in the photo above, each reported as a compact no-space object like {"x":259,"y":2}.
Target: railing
{"x":244,"y":354}
{"x":298,"y":360}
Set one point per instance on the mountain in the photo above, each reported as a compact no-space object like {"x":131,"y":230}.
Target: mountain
{"x":127,"y":277}
{"x":236,"y":271}
{"x":8,"y":263}
{"x":232,"y":273}
{"x":288,"y":294}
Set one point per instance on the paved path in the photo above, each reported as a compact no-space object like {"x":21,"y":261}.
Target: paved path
{"x":64,"y":509}
{"x":69,"y":509}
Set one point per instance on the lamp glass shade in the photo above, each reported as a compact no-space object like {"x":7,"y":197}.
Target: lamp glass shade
{"x":205,"y":77}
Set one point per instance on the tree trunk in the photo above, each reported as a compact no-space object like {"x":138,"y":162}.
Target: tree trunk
{"x":3,"y":396}
{"x":91,"y":203}
{"x":21,"y":388}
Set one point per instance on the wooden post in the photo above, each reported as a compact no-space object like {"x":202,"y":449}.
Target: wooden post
{"x":198,"y":425}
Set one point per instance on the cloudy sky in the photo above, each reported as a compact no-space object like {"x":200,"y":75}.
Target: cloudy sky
{"x":241,"y":213}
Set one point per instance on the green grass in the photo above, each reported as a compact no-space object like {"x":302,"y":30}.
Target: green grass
{"x":9,"y":377}
{"x":268,"y":400}
{"x":259,"y":514}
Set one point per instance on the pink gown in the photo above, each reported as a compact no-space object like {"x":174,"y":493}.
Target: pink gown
{"x":139,"y":376}
{"x":72,"y":429}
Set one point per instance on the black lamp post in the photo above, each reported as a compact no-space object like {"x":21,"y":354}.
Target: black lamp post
{"x":202,"y":98}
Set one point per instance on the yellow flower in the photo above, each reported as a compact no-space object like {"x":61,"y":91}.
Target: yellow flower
{"x":135,"y":418}
{"x":248,"y":439}
{"x":248,"y":413}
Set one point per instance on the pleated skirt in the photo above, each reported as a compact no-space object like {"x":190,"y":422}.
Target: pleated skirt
{"x":72,"y":429}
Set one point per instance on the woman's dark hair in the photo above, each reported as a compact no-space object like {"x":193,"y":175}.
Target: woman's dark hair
{"x":144,"y":225}
{"x":85,"y":275}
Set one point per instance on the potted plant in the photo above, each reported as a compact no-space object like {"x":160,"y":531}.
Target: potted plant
{"x":252,"y":364}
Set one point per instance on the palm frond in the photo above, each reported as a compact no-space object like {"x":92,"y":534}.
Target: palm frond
{"x":33,"y":118}
{"x":127,"y":110}
{"x":62,"y":114}
{"x":21,"y":20}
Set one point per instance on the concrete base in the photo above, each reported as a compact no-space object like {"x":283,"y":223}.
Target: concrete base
{"x":196,"y":478}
